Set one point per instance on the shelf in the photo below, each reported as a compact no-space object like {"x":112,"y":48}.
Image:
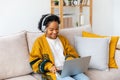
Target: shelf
{"x":71,"y":6}
{"x":66,"y":15}
{"x":60,"y":8}
{"x":54,"y":6}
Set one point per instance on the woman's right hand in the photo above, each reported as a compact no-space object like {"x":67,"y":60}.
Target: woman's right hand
{"x":53,"y":69}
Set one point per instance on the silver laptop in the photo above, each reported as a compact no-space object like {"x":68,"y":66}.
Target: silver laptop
{"x":75,"y":66}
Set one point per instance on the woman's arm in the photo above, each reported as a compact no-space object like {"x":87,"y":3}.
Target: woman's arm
{"x":37,"y":61}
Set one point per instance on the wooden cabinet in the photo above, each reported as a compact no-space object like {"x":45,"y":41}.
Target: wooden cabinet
{"x":61,"y":6}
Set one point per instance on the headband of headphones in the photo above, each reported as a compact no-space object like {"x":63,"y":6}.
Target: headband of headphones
{"x":43,"y":26}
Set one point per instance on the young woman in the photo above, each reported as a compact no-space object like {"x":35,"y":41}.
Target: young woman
{"x":51,"y":50}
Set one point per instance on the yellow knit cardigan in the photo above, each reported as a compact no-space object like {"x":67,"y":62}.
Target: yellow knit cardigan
{"x":41,"y":57}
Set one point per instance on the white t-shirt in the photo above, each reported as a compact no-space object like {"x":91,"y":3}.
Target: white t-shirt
{"x":57,"y":50}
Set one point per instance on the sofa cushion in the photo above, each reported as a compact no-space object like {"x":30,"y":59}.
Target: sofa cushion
{"x":69,"y":33}
{"x":112,"y":74}
{"x":25,"y":77}
{"x":14,"y":58}
{"x":113,"y":43}
{"x":31,"y":36}
{"x":94,"y":47}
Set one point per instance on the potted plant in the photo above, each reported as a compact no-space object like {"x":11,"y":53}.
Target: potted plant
{"x":56,"y":2}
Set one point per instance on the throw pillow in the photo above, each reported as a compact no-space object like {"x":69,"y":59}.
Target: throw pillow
{"x":97,"y":48}
{"x":112,"y":46}
{"x":14,"y":57}
{"x":118,"y":45}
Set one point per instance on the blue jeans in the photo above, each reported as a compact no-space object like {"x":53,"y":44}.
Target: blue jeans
{"x":80,"y":76}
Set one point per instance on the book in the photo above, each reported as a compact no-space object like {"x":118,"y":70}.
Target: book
{"x":83,"y":2}
{"x":86,"y":2}
{"x":67,"y":22}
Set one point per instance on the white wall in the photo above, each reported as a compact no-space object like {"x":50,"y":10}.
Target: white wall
{"x":116,"y":17}
{"x":103,"y":17}
{"x":106,"y":17}
{"x":18,"y":15}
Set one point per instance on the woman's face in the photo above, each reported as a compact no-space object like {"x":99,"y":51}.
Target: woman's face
{"x":52,"y":30}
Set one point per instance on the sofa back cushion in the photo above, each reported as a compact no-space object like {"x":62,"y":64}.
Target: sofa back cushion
{"x":31,"y":37}
{"x":14,"y":57}
{"x":69,"y":33}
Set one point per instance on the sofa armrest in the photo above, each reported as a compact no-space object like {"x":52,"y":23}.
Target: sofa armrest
{"x":117,"y":58}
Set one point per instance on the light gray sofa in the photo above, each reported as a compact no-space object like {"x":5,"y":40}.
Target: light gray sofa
{"x":15,"y":49}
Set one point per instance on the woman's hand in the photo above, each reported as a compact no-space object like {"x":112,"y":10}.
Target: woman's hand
{"x":69,"y":58}
{"x":53,"y":69}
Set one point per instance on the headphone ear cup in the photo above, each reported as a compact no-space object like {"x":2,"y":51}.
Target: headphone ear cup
{"x":43,"y":28}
